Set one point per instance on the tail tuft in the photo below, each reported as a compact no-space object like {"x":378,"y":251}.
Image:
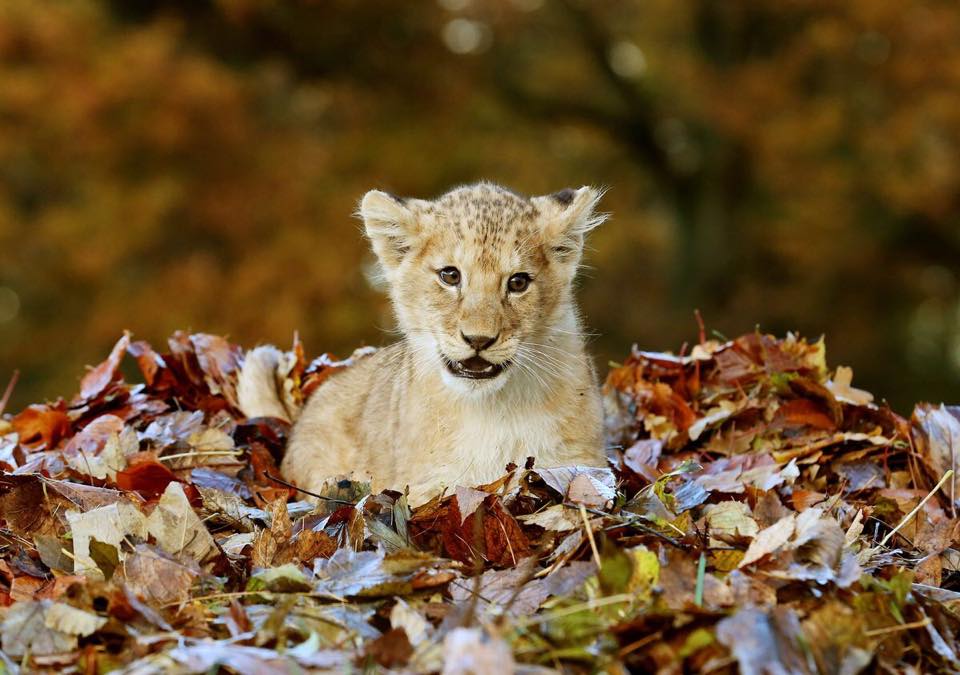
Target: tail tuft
{"x":260,"y":389}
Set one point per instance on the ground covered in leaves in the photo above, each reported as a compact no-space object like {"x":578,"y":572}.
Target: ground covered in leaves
{"x":759,"y":514}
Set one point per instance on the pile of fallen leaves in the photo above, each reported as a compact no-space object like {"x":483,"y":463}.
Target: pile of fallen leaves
{"x":759,"y":513}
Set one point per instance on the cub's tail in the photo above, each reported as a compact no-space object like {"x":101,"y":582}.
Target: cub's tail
{"x":263,"y":389}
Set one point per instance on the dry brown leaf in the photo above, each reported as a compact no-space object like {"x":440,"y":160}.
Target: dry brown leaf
{"x":769,"y":540}
{"x":177,"y":528}
{"x":764,"y":643}
{"x":98,"y":379}
{"x":24,"y":629}
{"x":392,"y":649}
{"x":840,"y":387}
{"x":111,"y":524}
{"x":156,"y":576}
{"x":468,"y":651}
{"x":268,"y":542}
{"x":469,"y":500}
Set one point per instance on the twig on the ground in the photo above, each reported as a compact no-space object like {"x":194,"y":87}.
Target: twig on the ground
{"x":916,"y":509}
{"x":593,"y":543}
{"x":202,"y":453}
{"x":897,"y":627}
{"x":307,"y":492}
{"x":632,"y":522}
{"x":8,"y":392}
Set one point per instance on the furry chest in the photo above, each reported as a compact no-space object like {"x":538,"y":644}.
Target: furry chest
{"x":484,"y":442}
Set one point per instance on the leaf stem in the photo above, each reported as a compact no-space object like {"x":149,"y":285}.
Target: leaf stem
{"x":916,"y":509}
{"x":202,"y":453}
{"x":593,"y":543}
{"x":897,"y":627}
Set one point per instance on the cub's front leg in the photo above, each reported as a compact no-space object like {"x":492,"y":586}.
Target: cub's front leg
{"x":313,"y":456}
{"x":323,"y":443}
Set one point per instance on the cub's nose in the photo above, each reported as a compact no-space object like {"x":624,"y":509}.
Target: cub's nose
{"x":479,"y":342}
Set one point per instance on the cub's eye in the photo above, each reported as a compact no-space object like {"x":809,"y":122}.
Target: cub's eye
{"x":518,"y":282}
{"x":450,"y":276}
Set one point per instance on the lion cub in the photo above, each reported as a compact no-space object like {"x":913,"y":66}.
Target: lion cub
{"x":491,"y":367}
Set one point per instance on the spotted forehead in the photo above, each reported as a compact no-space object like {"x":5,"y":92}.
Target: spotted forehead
{"x":490,"y":218}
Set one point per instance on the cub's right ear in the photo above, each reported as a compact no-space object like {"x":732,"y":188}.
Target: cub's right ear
{"x":390,"y":225}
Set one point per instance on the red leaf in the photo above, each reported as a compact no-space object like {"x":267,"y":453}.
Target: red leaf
{"x":498,"y":540}
{"x":319,"y":370}
{"x":97,"y":380}
{"x":456,"y":542}
{"x":147,"y":477}
{"x":262,"y":463}
{"x":219,"y":360}
{"x":804,"y":412}
{"x":156,"y":374}
{"x":504,"y":541}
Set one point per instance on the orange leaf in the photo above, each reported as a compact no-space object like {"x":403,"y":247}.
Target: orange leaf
{"x":42,"y":426}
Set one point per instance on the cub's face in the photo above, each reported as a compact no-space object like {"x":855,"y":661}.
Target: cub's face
{"x":481,"y":277}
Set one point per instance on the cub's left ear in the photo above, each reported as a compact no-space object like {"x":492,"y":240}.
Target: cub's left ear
{"x":566,"y":217}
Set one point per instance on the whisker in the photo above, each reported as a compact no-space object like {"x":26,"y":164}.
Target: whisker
{"x":543,"y":362}
{"x":576,"y":333}
{"x":522,"y":364}
{"x":553,"y":359}
{"x":548,"y":345}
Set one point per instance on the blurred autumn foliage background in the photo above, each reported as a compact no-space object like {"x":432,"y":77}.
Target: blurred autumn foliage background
{"x":792,"y":164}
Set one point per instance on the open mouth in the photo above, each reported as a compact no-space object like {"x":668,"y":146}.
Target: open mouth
{"x":475,"y":368}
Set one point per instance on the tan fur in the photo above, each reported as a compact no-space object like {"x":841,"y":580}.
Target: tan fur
{"x":399,"y":416}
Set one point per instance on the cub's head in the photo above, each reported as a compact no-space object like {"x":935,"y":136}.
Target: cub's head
{"x":481,"y":278}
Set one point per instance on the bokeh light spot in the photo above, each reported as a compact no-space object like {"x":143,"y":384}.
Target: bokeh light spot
{"x":627,"y":59}
{"x":464,"y":36}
